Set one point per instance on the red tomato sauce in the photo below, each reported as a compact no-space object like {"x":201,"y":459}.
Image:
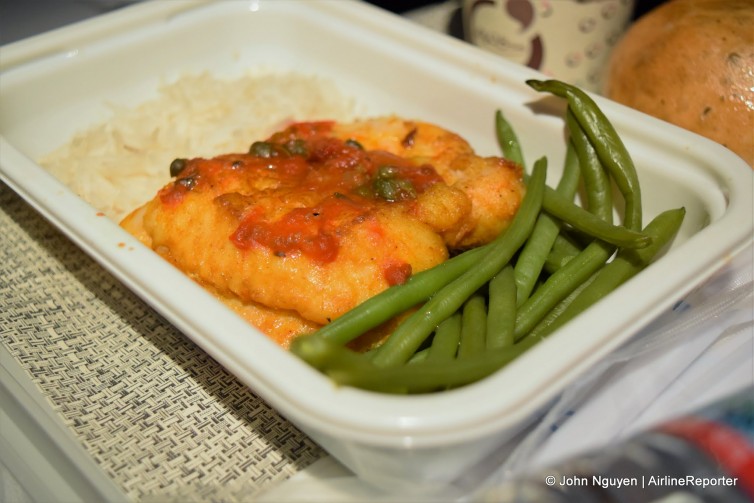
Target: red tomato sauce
{"x":345,"y":181}
{"x":311,"y":231}
{"x":396,"y":273}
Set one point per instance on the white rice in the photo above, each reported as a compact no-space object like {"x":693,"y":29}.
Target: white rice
{"x":120,"y":164}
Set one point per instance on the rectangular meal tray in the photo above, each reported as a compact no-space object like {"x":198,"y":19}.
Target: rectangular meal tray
{"x":58,"y":83}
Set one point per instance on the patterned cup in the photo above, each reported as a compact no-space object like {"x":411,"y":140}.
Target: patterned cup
{"x":568,"y":40}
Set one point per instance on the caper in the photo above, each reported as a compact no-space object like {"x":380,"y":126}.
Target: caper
{"x":384,"y":189}
{"x":177,"y":166}
{"x":262,"y":149}
{"x":394,"y":189}
{"x":387,"y":171}
{"x":353,"y":143}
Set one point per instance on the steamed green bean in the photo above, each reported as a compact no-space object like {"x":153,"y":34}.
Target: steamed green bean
{"x":501,"y":309}
{"x":606,"y":141}
{"x":508,"y":140}
{"x":533,"y":256}
{"x":560,"y":284}
{"x":563,"y":249}
{"x":626,"y":264}
{"x":445,"y":341}
{"x":473,"y":326}
{"x":428,"y":376}
{"x":598,"y":188}
{"x":582,"y":220}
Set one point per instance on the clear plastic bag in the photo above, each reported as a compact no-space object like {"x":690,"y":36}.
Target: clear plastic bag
{"x":610,"y":402}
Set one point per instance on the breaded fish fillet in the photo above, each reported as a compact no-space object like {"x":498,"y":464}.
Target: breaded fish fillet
{"x":323,"y":215}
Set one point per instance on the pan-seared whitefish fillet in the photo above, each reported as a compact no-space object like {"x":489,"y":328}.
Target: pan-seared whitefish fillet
{"x":493,"y":185}
{"x":323,"y":216}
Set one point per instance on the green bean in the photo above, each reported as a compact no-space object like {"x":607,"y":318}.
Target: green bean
{"x":501,"y":310}
{"x":626,"y":264}
{"x":506,"y":137}
{"x":542,"y":327}
{"x":596,"y":182}
{"x":445,"y":341}
{"x":473,"y":326}
{"x":563,"y":249}
{"x":348,"y":368}
{"x":569,"y":181}
{"x":532,"y":258}
{"x":564,"y":209}
{"x":414,"y":330}
{"x":419,"y":356}
{"x":429,"y":376}
{"x":397,"y":299}
{"x":581,"y":219}
{"x":323,"y":354}
{"x":560,"y":284}
{"x":606,"y":141}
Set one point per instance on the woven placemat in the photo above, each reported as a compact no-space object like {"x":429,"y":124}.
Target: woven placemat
{"x":160,"y":416}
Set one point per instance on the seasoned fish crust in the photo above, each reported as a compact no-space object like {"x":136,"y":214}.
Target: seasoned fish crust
{"x":323,"y":215}
{"x":493,"y":185}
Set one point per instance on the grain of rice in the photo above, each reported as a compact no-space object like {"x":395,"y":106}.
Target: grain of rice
{"x":118,"y":165}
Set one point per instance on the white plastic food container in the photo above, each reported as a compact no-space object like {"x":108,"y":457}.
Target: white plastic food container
{"x":56,"y":84}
